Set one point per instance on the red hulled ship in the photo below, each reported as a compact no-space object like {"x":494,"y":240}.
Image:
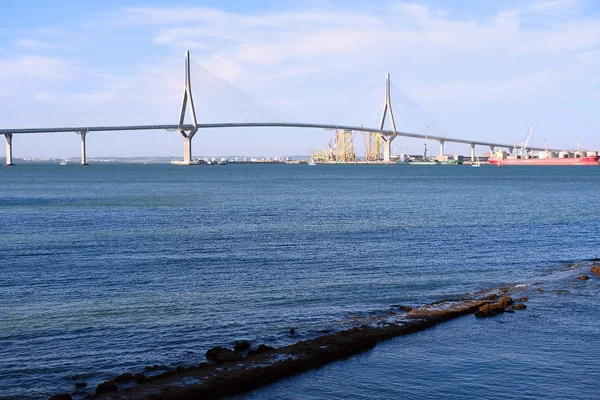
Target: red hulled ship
{"x":588,"y":161}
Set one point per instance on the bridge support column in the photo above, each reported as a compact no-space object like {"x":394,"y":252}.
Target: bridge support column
{"x":387,"y":148}
{"x":441,"y":147}
{"x":187,"y":149}
{"x":83,"y":155}
{"x":472,"y":151}
{"x":491,"y":150}
{"x":9,"y":157}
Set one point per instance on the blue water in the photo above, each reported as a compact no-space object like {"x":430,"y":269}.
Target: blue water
{"x":113,"y":267}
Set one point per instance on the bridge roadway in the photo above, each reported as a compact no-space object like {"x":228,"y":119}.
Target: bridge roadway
{"x":86,"y":129}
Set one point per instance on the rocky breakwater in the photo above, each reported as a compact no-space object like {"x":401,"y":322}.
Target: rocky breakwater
{"x":241,"y":369}
{"x":244,"y":368}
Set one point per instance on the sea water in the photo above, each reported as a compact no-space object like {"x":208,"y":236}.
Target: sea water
{"x":110,"y":268}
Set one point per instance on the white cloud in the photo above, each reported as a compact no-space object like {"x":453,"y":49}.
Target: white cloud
{"x":27,"y":43}
{"x":552,"y":7}
{"x":34,"y":67}
{"x":43,"y":96}
{"x":522,"y":87}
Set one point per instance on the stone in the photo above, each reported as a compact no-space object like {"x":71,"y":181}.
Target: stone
{"x":583,"y":277}
{"x":126,"y":377}
{"x":62,"y":396}
{"x":405,"y":308}
{"x":505,"y":301}
{"x":140,"y":378}
{"x":106,"y":387}
{"x":522,"y":299}
{"x":487,"y":310}
{"x":262,"y":348}
{"x":220,"y":355}
{"x":241,"y":345}
{"x":519,"y":306}
{"x":596,"y":270}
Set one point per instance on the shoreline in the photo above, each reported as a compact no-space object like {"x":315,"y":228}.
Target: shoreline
{"x":241,"y":370}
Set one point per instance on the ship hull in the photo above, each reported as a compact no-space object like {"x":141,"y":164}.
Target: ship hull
{"x":581,"y":161}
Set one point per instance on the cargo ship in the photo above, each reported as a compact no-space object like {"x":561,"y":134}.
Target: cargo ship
{"x":587,"y":160}
{"x":527,"y":157}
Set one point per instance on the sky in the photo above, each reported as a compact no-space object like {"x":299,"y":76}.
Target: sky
{"x":466,"y":69}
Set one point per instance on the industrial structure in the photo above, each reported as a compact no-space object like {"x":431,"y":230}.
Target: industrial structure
{"x":373,"y":146}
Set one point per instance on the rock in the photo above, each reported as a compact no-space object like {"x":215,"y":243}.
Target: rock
{"x":62,"y":396}
{"x":505,"y":301}
{"x":166,"y":374}
{"x":155,"y":367}
{"x":596,"y":270}
{"x":491,"y":296}
{"x":561,"y":291}
{"x":81,"y":384}
{"x":140,"y":378}
{"x":522,"y":299}
{"x":540,"y":290}
{"x":126,"y":377}
{"x":262,"y":348}
{"x":106,"y":387}
{"x":519,"y":306}
{"x":405,"y":308}
{"x":487,"y":310}
{"x":583,"y":277}
{"x":220,"y":355}
{"x":241,"y":345}
{"x":292,"y":331}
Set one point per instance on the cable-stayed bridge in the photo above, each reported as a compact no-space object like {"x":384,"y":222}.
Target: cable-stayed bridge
{"x":248,"y":112}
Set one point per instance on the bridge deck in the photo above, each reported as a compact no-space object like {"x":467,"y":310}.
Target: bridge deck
{"x":256,"y":124}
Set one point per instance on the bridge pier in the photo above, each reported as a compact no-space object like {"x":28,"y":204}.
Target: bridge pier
{"x":83,"y":155}
{"x":472,"y":152}
{"x":441,"y":147}
{"x":492,"y":149}
{"x":187,"y":148}
{"x":387,"y":147}
{"x":9,"y":155}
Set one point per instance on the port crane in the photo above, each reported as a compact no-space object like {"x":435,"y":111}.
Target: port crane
{"x":524,"y":151}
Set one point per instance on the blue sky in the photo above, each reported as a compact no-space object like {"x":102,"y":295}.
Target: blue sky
{"x":467,"y":69}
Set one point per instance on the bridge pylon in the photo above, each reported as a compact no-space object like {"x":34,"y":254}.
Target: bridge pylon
{"x":387,"y":139}
{"x":188,"y":101}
